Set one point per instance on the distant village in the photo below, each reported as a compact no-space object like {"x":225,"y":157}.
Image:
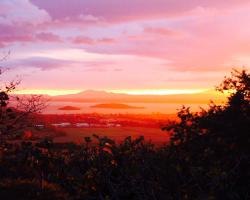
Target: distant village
{"x":80,"y":125}
{"x":100,"y":121}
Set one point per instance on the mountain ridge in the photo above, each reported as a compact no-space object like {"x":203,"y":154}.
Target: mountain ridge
{"x":109,"y":97}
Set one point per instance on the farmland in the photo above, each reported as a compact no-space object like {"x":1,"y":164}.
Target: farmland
{"x":73,"y":128}
{"x":156,"y":135}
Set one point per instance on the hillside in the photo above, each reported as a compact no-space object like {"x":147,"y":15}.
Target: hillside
{"x":107,"y":97}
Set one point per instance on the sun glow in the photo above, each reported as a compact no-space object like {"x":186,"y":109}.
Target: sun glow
{"x":159,"y":92}
{"x":48,"y":92}
{"x":131,"y":92}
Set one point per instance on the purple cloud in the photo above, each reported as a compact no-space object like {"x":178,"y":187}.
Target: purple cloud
{"x":120,"y":10}
{"x":48,"y":37}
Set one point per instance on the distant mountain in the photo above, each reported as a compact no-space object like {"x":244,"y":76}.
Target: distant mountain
{"x":91,"y":94}
{"x":109,"y":97}
{"x":116,"y":106}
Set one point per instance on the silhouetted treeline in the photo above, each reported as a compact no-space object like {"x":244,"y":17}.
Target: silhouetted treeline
{"x":208,"y":158}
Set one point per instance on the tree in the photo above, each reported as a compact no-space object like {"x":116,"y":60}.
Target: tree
{"x":231,"y":119}
{"x":207,"y":159}
{"x":16,"y":111}
{"x":211,"y":147}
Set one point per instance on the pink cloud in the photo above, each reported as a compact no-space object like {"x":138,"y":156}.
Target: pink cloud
{"x":196,"y":36}
{"x":208,"y":40}
{"x":21,"y":12}
{"x":91,"y":41}
{"x":83,"y":40}
{"x":160,"y":31}
{"x":106,"y":40}
{"x":17,"y":38}
{"x":48,"y":37}
{"x":12,"y":34}
{"x":120,"y":10}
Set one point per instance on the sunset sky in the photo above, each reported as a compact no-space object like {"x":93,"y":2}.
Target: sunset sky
{"x":131,"y":46}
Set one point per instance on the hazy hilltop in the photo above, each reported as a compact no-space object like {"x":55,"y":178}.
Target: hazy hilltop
{"x":91,"y":94}
{"x":116,"y":106}
{"x":102,"y":96}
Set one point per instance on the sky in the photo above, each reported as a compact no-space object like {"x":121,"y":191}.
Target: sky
{"x":132,"y":46}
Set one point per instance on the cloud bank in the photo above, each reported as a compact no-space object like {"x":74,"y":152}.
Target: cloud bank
{"x":121,"y":43}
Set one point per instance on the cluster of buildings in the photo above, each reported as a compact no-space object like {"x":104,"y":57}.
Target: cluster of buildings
{"x":81,"y":125}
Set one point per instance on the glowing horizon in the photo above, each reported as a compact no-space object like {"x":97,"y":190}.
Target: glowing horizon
{"x":159,"y":91}
{"x":131,"y":92}
{"x":47,"y":92}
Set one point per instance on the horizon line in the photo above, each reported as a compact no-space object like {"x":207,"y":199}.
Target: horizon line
{"x":157,"y":92}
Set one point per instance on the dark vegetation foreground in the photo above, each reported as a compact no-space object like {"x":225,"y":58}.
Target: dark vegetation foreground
{"x":208,"y":158}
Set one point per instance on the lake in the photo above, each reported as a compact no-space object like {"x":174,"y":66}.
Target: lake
{"x":164,"y":108}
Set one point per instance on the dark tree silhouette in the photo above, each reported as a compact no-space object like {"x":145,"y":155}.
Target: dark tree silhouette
{"x":16,"y":111}
{"x":207,"y":159}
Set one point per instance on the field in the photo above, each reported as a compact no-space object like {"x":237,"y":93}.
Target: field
{"x":156,"y":135}
{"x":74,"y":127}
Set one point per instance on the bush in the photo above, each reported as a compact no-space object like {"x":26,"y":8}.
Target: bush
{"x":208,"y":158}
